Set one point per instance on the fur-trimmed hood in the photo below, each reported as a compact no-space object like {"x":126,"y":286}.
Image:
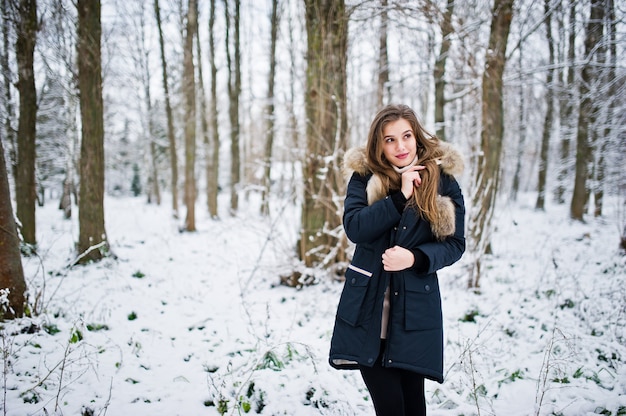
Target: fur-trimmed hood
{"x":355,"y":160}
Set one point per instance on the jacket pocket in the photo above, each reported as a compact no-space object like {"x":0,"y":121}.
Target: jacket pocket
{"x":354,"y":291}
{"x":422,"y":304}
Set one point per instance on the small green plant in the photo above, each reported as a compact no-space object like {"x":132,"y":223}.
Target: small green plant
{"x":244,"y":405}
{"x":260,"y":404}
{"x":132,"y":316}
{"x":97,"y":327}
{"x":561,"y":380}
{"x":271,"y":360}
{"x":30,"y":397}
{"x":470,"y":316}
{"x":222,"y":406}
{"x":51,"y":329}
{"x":139,"y":275}
{"x":76,"y":336}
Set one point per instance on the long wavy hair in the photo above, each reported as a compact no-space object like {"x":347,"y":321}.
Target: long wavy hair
{"x":428,"y":151}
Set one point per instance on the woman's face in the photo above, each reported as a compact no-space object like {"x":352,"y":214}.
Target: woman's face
{"x":399,"y":143}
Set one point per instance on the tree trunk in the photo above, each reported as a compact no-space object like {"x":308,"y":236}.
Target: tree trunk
{"x":11,"y":271}
{"x":440,"y":71}
{"x":325,"y":108}
{"x":153,"y":182}
{"x":383,"y":93}
{"x":608,"y":80}
{"x":92,"y":241}
{"x":547,"y":122}
{"x":488,"y":169}
{"x":9,"y":113}
{"x":521,"y":116}
{"x":566,"y":105}
{"x":25,"y":188}
{"x":269,"y":112}
{"x":214,"y":146}
{"x":168,"y":112}
{"x":586,"y":115}
{"x":189,"y":86}
{"x":203,"y":114}
{"x":234,"y":91}
{"x":292,"y":118}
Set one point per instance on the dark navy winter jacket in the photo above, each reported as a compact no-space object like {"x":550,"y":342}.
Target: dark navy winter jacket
{"x":415,"y":331}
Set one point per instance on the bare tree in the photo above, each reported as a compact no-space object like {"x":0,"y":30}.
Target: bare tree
{"x":154,"y":187}
{"x":11,"y":271}
{"x":213,"y":148}
{"x":383,"y":92}
{"x":92,"y":240}
{"x":440,"y":70}
{"x":547,"y":122}
{"x":203,"y":115}
{"x":587,"y":114}
{"x":234,"y":92}
{"x":567,"y":99}
{"x":608,"y":82}
{"x":269,"y":111}
{"x":141,"y":59}
{"x":57,"y":128}
{"x":488,"y":169}
{"x":325,"y":107}
{"x":25,"y":187}
{"x":7,"y":83}
{"x":168,"y":112}
{"x":189,"y":91}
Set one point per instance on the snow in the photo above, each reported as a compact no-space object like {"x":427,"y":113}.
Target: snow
{"x":194,"y":323}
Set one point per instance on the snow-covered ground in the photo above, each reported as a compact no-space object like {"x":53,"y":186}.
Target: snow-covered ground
{"x":197,"y":324}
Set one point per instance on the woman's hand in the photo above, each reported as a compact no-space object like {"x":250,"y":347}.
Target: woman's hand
{"x":410,"y":179}
{"x":397,"y":258}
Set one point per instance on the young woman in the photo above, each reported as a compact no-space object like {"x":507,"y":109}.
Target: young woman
{"x":404,"y":211}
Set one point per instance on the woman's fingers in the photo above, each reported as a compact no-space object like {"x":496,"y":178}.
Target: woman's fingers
{"x":411,"y":178}
{"x":397,"y":258}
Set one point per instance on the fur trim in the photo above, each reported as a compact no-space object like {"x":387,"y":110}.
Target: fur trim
{"x":376,"y":189}
{"x":451,"y":162}
{"x":447,"y":218}
{"x":355,"y":160}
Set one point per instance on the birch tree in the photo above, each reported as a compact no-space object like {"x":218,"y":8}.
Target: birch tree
{"x":7,"y":85}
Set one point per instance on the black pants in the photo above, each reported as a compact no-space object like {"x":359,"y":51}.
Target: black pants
{"x":394,"y":391}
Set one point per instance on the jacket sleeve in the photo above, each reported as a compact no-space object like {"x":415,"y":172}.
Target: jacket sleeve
{"x":365,"y":223}
{"x":446,"y":252}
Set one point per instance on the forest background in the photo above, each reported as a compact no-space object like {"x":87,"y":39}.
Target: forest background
{"x":187,"y":102}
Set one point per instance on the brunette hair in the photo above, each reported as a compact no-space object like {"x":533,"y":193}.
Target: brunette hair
{"x":428,"y":151}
